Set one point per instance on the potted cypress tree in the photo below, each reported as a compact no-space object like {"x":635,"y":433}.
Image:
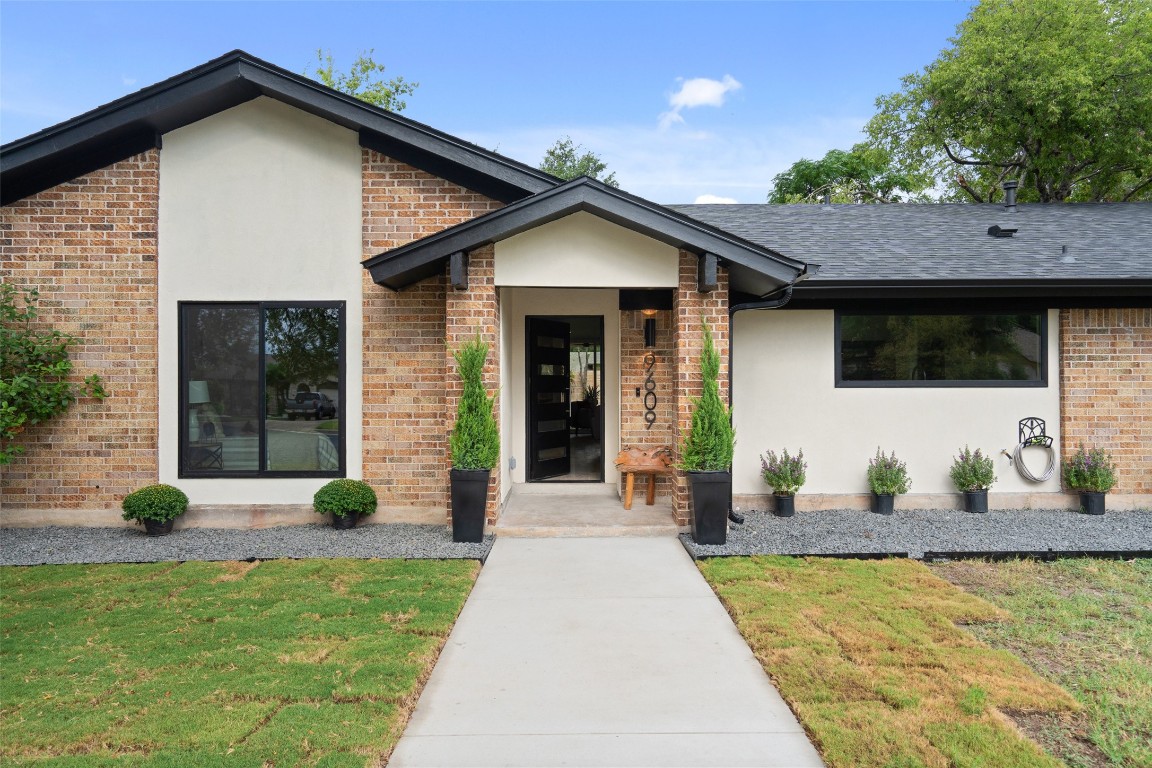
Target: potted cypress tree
{"x":475,"y":445}
{"x":706,"y":453}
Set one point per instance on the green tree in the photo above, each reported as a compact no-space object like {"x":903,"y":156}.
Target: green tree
{"x":710,"y":441}
{"x":1056,"y":94}
{"x":475,"y":439}
{"x":861,"y":175}
{"x":34,"y":370}
{"x":570,"y":161}
{"x":365,"y":81}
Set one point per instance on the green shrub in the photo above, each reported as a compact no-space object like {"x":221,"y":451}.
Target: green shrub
{"x":711,"y":440}
{"x":345,"y":497}
{"x":973,"y":471}
{"x":158,"y":502}
{"x":35,"y":370}
{"x":1090,"y":470}
{"x":887,"y":475}
{"x":475,"y":441}
{"x":784,"y":473}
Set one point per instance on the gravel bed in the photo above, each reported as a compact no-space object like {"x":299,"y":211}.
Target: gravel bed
{"x":60,"y":545}
{"x":947,"y":531}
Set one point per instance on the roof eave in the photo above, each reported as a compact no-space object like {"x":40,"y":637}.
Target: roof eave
{"x":403,"y":266}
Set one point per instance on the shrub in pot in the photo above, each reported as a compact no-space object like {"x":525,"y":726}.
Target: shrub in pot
{"x":785,"y":474}
{"x":156,"y":506}
{"x":346,"y":500}
{"x":706,"y":453}
{"x":1091,"y":472}
{"x":475,"y":445}
{"x":973,"y":474}
{"x":887,"y":478}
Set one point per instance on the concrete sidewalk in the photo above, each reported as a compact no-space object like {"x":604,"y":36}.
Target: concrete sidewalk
{"x":598,"y":652}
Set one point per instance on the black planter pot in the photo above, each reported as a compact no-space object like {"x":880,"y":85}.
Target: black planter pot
{"x":711,"y":495}
{"x":345,"y":522}
{"x":785,"y":504}
{"x":157,"y":528}
{"x":469,"y":498}
{"x":883,"y":503}
{"x":1092,"y":502}
{"x":976,"y":501}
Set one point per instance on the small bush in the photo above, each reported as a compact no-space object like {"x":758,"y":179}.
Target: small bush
{"x":1090,"y":470}
{"x":973,"y":471}
{"x":784,"y":473}
{"x":158,"y":502}
{"x":344,"y":497}
{"x":888,"y":475}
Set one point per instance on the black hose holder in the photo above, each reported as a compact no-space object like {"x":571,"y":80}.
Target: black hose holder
{"x":1033,"y":431}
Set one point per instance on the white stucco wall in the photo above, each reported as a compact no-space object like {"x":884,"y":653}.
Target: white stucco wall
{"x":785,"y":396}
{"x":519,"y":303}
{"x":585,"y":251}
{"x":258,"y":203}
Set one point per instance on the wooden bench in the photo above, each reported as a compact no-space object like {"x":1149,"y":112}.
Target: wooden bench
{"x":636,"y":461}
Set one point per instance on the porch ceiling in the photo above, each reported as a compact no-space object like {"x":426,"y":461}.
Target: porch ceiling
{"x":754,"y":269}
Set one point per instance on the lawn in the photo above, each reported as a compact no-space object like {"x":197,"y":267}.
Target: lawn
{"x":276,"y":663}
{"x":1087,"y":625}
{"x":877,"y":660}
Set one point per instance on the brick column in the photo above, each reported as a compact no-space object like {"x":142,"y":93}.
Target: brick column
{"x":691,"y":311}
{"x":471,"y":313}
{"x":1106,"y":389}
{"x":635,"y":431}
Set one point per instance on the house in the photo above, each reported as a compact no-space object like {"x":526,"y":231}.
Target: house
{"x":239,"y":229}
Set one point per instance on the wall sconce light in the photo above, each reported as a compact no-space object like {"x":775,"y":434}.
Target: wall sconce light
{"x":649,"y":332}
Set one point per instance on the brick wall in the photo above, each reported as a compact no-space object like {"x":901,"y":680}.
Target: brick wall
{"x":405,"y":440}
{"x":634,"y":430}
{"x":89,"y":247}
{"x":692,"y":310}
{"x":1106,"y":388}
{"x":471,"y":313}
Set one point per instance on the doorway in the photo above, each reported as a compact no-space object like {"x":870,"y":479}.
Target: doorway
{"x":565,"y":388}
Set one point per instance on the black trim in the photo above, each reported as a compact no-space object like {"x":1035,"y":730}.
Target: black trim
{"x":262,"y":458}
{"x":111,"y":132}
{"x":645,"y":298}
{"x":974,"y":294}
{"x":838,"y":358}
{"x":408,"y":264}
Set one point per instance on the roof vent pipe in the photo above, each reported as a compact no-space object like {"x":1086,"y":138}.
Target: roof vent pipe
{"x":1010,"y":195}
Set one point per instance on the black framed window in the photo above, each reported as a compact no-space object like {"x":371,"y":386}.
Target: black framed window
{"x":262,"y":389}
{"x":984,"y":349}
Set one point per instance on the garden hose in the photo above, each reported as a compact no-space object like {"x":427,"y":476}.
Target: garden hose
{"x":1022,"y":468}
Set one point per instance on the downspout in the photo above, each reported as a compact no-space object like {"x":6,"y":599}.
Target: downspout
{"x":763,"y":303}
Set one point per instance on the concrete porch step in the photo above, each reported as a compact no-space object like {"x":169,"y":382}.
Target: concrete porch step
{"x":539,"y":510}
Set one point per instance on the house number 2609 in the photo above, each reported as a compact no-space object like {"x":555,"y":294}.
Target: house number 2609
{"x":649,"y":391}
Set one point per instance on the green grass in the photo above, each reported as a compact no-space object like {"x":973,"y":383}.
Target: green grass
{"x":870,"y":656}
{"x":1087,"y":625}
{"x":277,"y":663}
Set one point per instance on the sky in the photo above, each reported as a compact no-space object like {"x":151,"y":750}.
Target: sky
{"x":685,"y":102}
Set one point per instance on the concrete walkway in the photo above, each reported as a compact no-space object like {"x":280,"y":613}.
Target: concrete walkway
{"x":598,"y":652}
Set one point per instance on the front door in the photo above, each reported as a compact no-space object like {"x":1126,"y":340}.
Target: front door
{"x":549,"y":448}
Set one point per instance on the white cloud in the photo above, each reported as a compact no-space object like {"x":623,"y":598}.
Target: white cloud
{"x":714,"y":200}
{"x":127,"y":81}
{"x":697,"y":92}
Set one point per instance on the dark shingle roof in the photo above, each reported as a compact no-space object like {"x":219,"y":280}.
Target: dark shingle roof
{"x":862,"y":243}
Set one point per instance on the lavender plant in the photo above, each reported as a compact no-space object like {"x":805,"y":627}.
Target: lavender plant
{"x":887,"y":475}
{"x":784,"y":473}
{"x":1090,"y":470}
{"x":973,"y":471}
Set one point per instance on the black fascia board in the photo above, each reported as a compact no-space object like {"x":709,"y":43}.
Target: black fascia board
{"x":70,"y":149}
{"x":1056,"y":293}
{"x":401,"y":266}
